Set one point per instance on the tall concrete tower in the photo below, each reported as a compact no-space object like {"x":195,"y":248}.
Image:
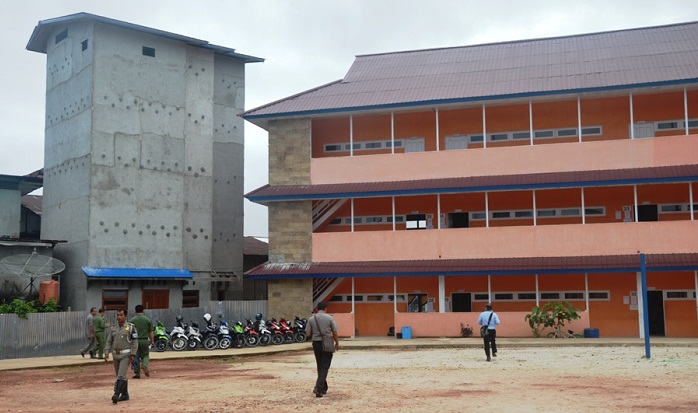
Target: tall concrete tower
{"x":143,"y":163}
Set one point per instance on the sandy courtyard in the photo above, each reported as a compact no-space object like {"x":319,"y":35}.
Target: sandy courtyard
{"x":577,"y":379}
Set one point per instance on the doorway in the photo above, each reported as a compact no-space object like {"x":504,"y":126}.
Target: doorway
{"x":646,"y":213}
{"x":458,"y":220}
{"x":461,"y":303}
{"x":655,"y":310}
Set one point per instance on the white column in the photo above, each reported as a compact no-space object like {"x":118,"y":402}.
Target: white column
{"x":685,"y":109}
{"x":537,"y":293}
{"x":487,"y":210}
{"x":392,"y":132}
{"x":442,"y":294}
{"x":635,"y":202}
{"x":393,"y":200}
{"x":437,"y":129}
{"x":690,"y":198}
{"x":353,"y":307}
{"x":489,"y":288}
{"x":352,"y":214}
{"x":640,"y":306}
{"x":586,"y":290}
{"x":394,"y":294}
{"x":584,"y":209}
{"x":579,"y":119}
{"x":351,"y":135}
{"x":438,"y":210}
{"x":535,"y":213}
{"x":632,"y":119}
{"x":484,"y":127}
{"x":530,"y":121}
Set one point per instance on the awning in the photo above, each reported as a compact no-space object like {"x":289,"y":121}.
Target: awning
{"x":138,"y":273}
{"x":477,"y":266}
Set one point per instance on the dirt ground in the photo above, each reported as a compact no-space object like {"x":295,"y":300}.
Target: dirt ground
{"x":578,"y":379}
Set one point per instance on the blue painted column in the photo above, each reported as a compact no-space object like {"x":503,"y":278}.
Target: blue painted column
{"x":646,"y":316}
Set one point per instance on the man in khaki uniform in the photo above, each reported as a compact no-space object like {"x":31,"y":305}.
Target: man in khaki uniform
{"x":122,"y":340}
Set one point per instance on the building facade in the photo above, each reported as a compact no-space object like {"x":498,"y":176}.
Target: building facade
{"x":143,"y":163}
{"x":425,"y":184}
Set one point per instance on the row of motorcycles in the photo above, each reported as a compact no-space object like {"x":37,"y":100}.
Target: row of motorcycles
{"x":220,"y":335}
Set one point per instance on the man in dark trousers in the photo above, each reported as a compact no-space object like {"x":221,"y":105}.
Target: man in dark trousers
{"x":90,"y":330}
{"x":146,"y":339}
{"x":122,"y":340}
{"x":322,"y":325}
{"x":490,"y":319}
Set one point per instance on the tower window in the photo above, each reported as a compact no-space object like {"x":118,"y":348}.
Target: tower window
{"x":148,"y":51}
{"x":62,"y":35}
{"x":84,"y":45}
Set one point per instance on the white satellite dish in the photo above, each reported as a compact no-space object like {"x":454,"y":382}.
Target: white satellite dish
{"x":32,"y":266}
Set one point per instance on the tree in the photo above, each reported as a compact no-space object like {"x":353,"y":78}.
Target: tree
{"x":554,"y":314}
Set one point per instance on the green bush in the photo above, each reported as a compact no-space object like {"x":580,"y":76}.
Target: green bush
{"x":552,"y":314}
{"x":22,"y":308}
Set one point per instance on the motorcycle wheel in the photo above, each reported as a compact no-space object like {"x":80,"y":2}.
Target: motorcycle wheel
{"x":277,"y":339}
{"x":225,"y":343}
{"x":252,"y":341}
{"x":300,"y":337}
{"x":239,"y":341}
{"x":264,"y":339}
{"x":160,"y":344}
{"x":192,"y":345}
{"x":288,"y":338}
{"x":211,"y":342}
{"x":179,"y":344}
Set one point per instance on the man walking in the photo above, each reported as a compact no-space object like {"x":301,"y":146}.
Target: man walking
{"x":89,"y":325}
{"x":490,"y":319}
{"x":145,"y":340}
{"x":321,"y":327}
{"x":122,"y":340}
{"x":99,"y":326}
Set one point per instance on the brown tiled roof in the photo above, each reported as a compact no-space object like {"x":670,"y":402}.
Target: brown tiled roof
{"x":573,"y":179}
{"x":598,"y":61}
{"x":478,"y":266}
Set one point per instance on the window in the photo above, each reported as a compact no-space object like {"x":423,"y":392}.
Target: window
{"x":499,"y":137}
{"x":148,"y":51}
{"x":543,"y":134}
{"x":526,"y":296}
{"x":596,"y":130}
{"x":667,"y":125}
{"x":373,"y":145}
{"x":501,"y":215}
{"x":333,"y":148}
{"x":481,"y":297}
{"x":521,"y":135}
{"x":190,"y":298}
{"x":549,"y":296}
{"x":475,"y":138}
{"x":84,"y":45}
{"x":574,"y":296}
{"x":115,"y":299}
{"x":375,"y":297}
{"x":595,"y":211}
{"x":416,"y":221}
{"x":374,"y":220}
{"x":544,"y":213}
{"x":569,"y":212}
{"x":671,"y":208}
{"x":676,"y":295}
{"x":564,"y":133}
{"x":523,"y":214}
{"x":61,"y":36}
{"x":337,"y":298}
{"x":477,"y":216}
{"x":598,"y":295}
{"x":693,"y":123}
{"x":503,"y":296}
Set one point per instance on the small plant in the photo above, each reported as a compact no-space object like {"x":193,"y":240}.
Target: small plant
{"x":466,"y":330}
{"x":22,"y":308}
{"x":553,"y":314}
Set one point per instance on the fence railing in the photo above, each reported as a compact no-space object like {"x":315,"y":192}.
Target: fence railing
{"x":58,"y":334}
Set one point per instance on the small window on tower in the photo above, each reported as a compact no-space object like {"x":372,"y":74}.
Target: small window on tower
{"x":148,"y":51}
{"x":84,"y":45}
{"x":62,"y":35}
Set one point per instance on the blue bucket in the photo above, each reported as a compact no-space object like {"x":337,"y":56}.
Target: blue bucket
{"x":591,"y":333}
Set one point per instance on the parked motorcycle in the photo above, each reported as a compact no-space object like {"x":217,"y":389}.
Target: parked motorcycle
{"x":251,"y":334}
{"x":239,"y":336}
{"x":287,"y":330}
{"x":261,"y":327}
{"x":209,"y":337}
{"x":277,"y":336}
{"x":179,"y":338}
{"x":193,"y":335}
{"x":299,"y":329}
{"x":225,"y":340}
{"x":162,"y":340}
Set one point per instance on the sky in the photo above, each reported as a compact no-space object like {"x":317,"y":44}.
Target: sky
{"x":305,"y":43}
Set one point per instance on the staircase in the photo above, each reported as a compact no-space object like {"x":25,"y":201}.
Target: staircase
{"x":324,"y":209}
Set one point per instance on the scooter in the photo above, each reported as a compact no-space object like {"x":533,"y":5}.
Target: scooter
{"x":179,"y":338}
{"x":299,"y":329}
{"x":277,"y":336}
{"x":251,"y":334}
{"x":162,"y":340}
{"x":289,"y":334}
{"x":209,"y":337}
{"x":193,"y":335}
{"x":239,"y":335}
{"x":225,"y":340}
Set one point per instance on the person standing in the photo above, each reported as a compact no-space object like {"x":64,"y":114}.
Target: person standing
{"x":322,"y":325}
{"x":99,"y":326}
{"x":490,"y":319}
{"x":146,"y":339}
{"x":89,"y":325}
{"x":122,"y":340}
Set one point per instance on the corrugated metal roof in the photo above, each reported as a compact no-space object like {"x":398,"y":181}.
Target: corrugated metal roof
{"x":33,"y":203}
{"x":253,"y":246}
{"x":573,"y":179}
{"x":598,"y":61}
{"x":138,"y":273}
{"x":43,"y":30}
{"x":478,"y":266}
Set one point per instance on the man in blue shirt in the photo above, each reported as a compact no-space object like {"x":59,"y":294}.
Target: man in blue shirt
{"x":490,"y":319}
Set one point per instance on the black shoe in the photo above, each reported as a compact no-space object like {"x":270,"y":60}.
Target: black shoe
{"x":489,"y":359}
{"x":82,"y":353}
{"x":137,"y":376}
{"x":124,"y":392}
{"x":317,"y":392}
{"x":494,"y":354}
{"x":92,"y":356}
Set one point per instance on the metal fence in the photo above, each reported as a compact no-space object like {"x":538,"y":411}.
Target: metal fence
{"x":58,"y":334}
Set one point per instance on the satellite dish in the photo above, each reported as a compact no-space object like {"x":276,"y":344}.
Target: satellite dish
{"x":32,"y":266}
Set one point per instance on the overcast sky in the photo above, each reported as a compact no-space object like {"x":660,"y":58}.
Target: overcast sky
{"x":306,"y":43}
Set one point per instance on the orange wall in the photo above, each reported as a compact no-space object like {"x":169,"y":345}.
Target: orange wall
{"x":539,"y":241}
{"x":586,"y":156}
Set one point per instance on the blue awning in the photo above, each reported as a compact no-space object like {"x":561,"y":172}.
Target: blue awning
{"x":138,"y":273}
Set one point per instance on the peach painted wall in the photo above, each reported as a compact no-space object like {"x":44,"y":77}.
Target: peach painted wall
{"x":538,"y":241}
{"x":586,"y":156}
{"x":448,"y":324}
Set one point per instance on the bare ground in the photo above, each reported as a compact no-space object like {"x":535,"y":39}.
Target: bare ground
{"x":578,"y":379}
